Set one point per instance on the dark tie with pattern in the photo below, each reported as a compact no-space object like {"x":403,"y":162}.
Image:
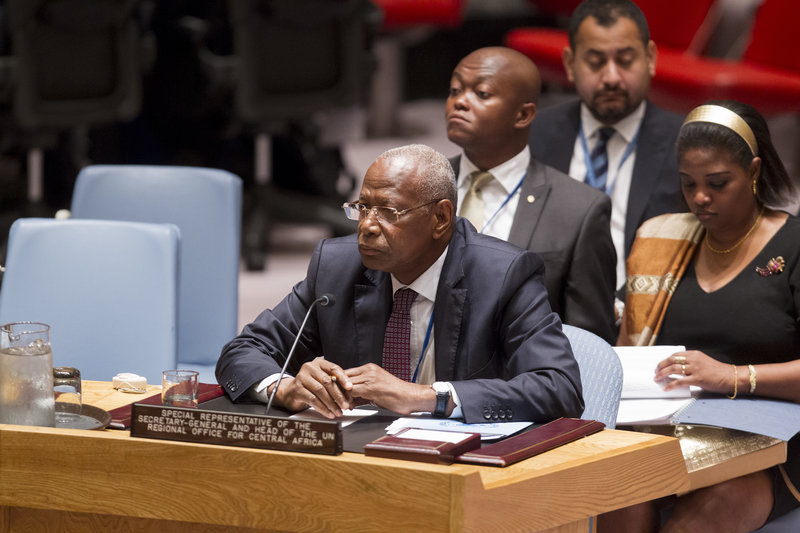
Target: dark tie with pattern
{"x":396,"y":342}
{"x":599,"y":157}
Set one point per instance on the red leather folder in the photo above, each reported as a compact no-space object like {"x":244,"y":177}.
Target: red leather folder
{"x":121,"y":416}
{"x":443,"y":451}
{"x":533,"y":442}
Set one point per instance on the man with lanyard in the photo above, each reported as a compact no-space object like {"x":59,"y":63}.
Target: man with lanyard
{"x":429,"y":314}
{"x":510,"y":195}
{"x":613,"y":138}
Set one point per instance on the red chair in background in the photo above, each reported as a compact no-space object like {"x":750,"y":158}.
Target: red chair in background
{"x":403,"y":23}
{"x":402,"y":14}
{"x":679,"y":26}
{"x":767,"y":77}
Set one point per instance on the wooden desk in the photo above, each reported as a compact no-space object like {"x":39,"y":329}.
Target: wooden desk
{"x":73,"y":480}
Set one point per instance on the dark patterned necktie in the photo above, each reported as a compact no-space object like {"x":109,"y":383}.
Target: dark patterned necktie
{"x":599,"y":158}
{"x":397,"y":339}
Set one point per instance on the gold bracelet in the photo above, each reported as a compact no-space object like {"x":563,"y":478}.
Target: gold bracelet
{"x":752,"y":370}
{"x":735,"y":383}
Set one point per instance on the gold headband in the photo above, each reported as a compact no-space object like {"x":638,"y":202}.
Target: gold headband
{"x":724,"y":117}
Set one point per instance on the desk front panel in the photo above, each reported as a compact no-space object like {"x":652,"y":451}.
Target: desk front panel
{"x":109,"y":478}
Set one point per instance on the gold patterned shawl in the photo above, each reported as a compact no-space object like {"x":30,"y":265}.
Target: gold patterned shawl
{"x":663,"y":248}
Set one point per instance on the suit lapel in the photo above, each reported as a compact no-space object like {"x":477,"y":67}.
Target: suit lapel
{"x":562,"y":138}
{"x":651,"y":148}
{"x":372,"y":306}
{"x":448,"y":310}
{"x":455,"y":162}
{"x":532,"y":198}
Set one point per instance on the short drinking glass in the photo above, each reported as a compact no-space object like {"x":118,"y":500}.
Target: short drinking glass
{"x":179,"y":388}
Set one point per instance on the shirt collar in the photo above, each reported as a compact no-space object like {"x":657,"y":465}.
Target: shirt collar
{"x":507,"y":173}
{"x":427,"y":282}
{"x":627,"y":127}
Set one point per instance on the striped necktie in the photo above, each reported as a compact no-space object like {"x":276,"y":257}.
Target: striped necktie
{"x":599,"y":157}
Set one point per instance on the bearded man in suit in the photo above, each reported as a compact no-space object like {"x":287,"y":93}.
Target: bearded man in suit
{"x":611,"y":59}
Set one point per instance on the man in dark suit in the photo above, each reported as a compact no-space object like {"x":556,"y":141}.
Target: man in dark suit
{"x":490,"y":107}
{"x":483,"y":342}
{"x":611,"y":60}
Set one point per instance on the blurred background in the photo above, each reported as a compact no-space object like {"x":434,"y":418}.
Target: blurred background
{"x":298,"y":97}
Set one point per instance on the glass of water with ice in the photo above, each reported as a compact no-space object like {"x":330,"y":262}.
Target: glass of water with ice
{"x":26,"y":375}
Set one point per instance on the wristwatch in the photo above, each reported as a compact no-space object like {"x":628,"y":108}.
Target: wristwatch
{"x":442,"y":398}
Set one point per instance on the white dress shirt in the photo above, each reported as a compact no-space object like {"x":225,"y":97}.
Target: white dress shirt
{"x":619,"y":176}
{"x":421,"y":313}
{"x":507,"y":175}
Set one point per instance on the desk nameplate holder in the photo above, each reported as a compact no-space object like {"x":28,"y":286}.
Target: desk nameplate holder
{"x":236,"y":429}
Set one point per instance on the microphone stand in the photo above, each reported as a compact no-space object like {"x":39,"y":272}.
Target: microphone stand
{"x":324,"y":300}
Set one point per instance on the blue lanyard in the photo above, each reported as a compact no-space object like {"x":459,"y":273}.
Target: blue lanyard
{"x":424,"y":348}
{"x":508,"y":199}
{"x":590,"y":177}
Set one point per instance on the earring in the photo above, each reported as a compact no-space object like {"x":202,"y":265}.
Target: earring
{"x":755,"y":190}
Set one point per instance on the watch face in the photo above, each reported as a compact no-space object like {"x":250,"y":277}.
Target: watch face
{"x":440,"y":387}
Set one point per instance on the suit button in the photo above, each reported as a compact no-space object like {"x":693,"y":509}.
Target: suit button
{"x":509,"y":414}
{"x":502,"y":414}
{"x":486,"y":414}
{"x":495,"y":416}
{"x":234,"y":387}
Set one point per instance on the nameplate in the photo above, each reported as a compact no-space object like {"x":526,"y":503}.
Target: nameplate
{"x":236,"y":429}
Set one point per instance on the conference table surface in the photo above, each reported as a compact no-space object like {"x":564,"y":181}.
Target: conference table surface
{"x":54,"y":479}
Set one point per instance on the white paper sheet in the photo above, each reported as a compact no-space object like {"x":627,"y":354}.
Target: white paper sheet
{"x":490,"y":431}
{"x":348,"y":417}
{"x":638,"y":368}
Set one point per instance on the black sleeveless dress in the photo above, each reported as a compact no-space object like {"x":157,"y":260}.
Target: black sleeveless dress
{"x":754,"y":319}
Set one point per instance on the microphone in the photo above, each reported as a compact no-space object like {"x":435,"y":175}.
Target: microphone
{"x":324,"y":300}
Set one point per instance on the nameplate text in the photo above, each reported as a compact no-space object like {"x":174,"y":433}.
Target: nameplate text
{"x":236,"y":429}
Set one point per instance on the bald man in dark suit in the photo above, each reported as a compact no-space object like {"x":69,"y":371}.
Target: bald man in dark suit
{"x":490,"y":108}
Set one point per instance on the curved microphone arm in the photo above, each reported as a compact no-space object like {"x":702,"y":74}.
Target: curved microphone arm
{"x":324,"y":300}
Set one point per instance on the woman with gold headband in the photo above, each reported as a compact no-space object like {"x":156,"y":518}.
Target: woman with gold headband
{"x":724,"y":281}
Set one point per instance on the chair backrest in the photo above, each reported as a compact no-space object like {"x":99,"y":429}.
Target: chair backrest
{"x":206,"y":205}
{"x":78,"y":62}
{"x":108,"y":290}
{"x":328,"y":64}
{"x":773,"y":41}
{"x":680,"y":25}
{"x":601,"y":375}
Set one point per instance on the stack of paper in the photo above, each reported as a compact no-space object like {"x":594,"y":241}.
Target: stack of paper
{"x":644,"y":401}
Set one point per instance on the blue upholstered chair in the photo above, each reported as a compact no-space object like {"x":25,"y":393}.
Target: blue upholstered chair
{"x":107,"y":289}
{"x":601,"y":375}
{"x":206,"y":204}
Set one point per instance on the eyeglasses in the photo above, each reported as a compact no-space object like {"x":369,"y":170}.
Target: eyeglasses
{"x":358,"y":211}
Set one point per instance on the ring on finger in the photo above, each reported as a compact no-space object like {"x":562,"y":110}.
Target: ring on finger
{"x":683,"y":368}
{"x":680,"y":359}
